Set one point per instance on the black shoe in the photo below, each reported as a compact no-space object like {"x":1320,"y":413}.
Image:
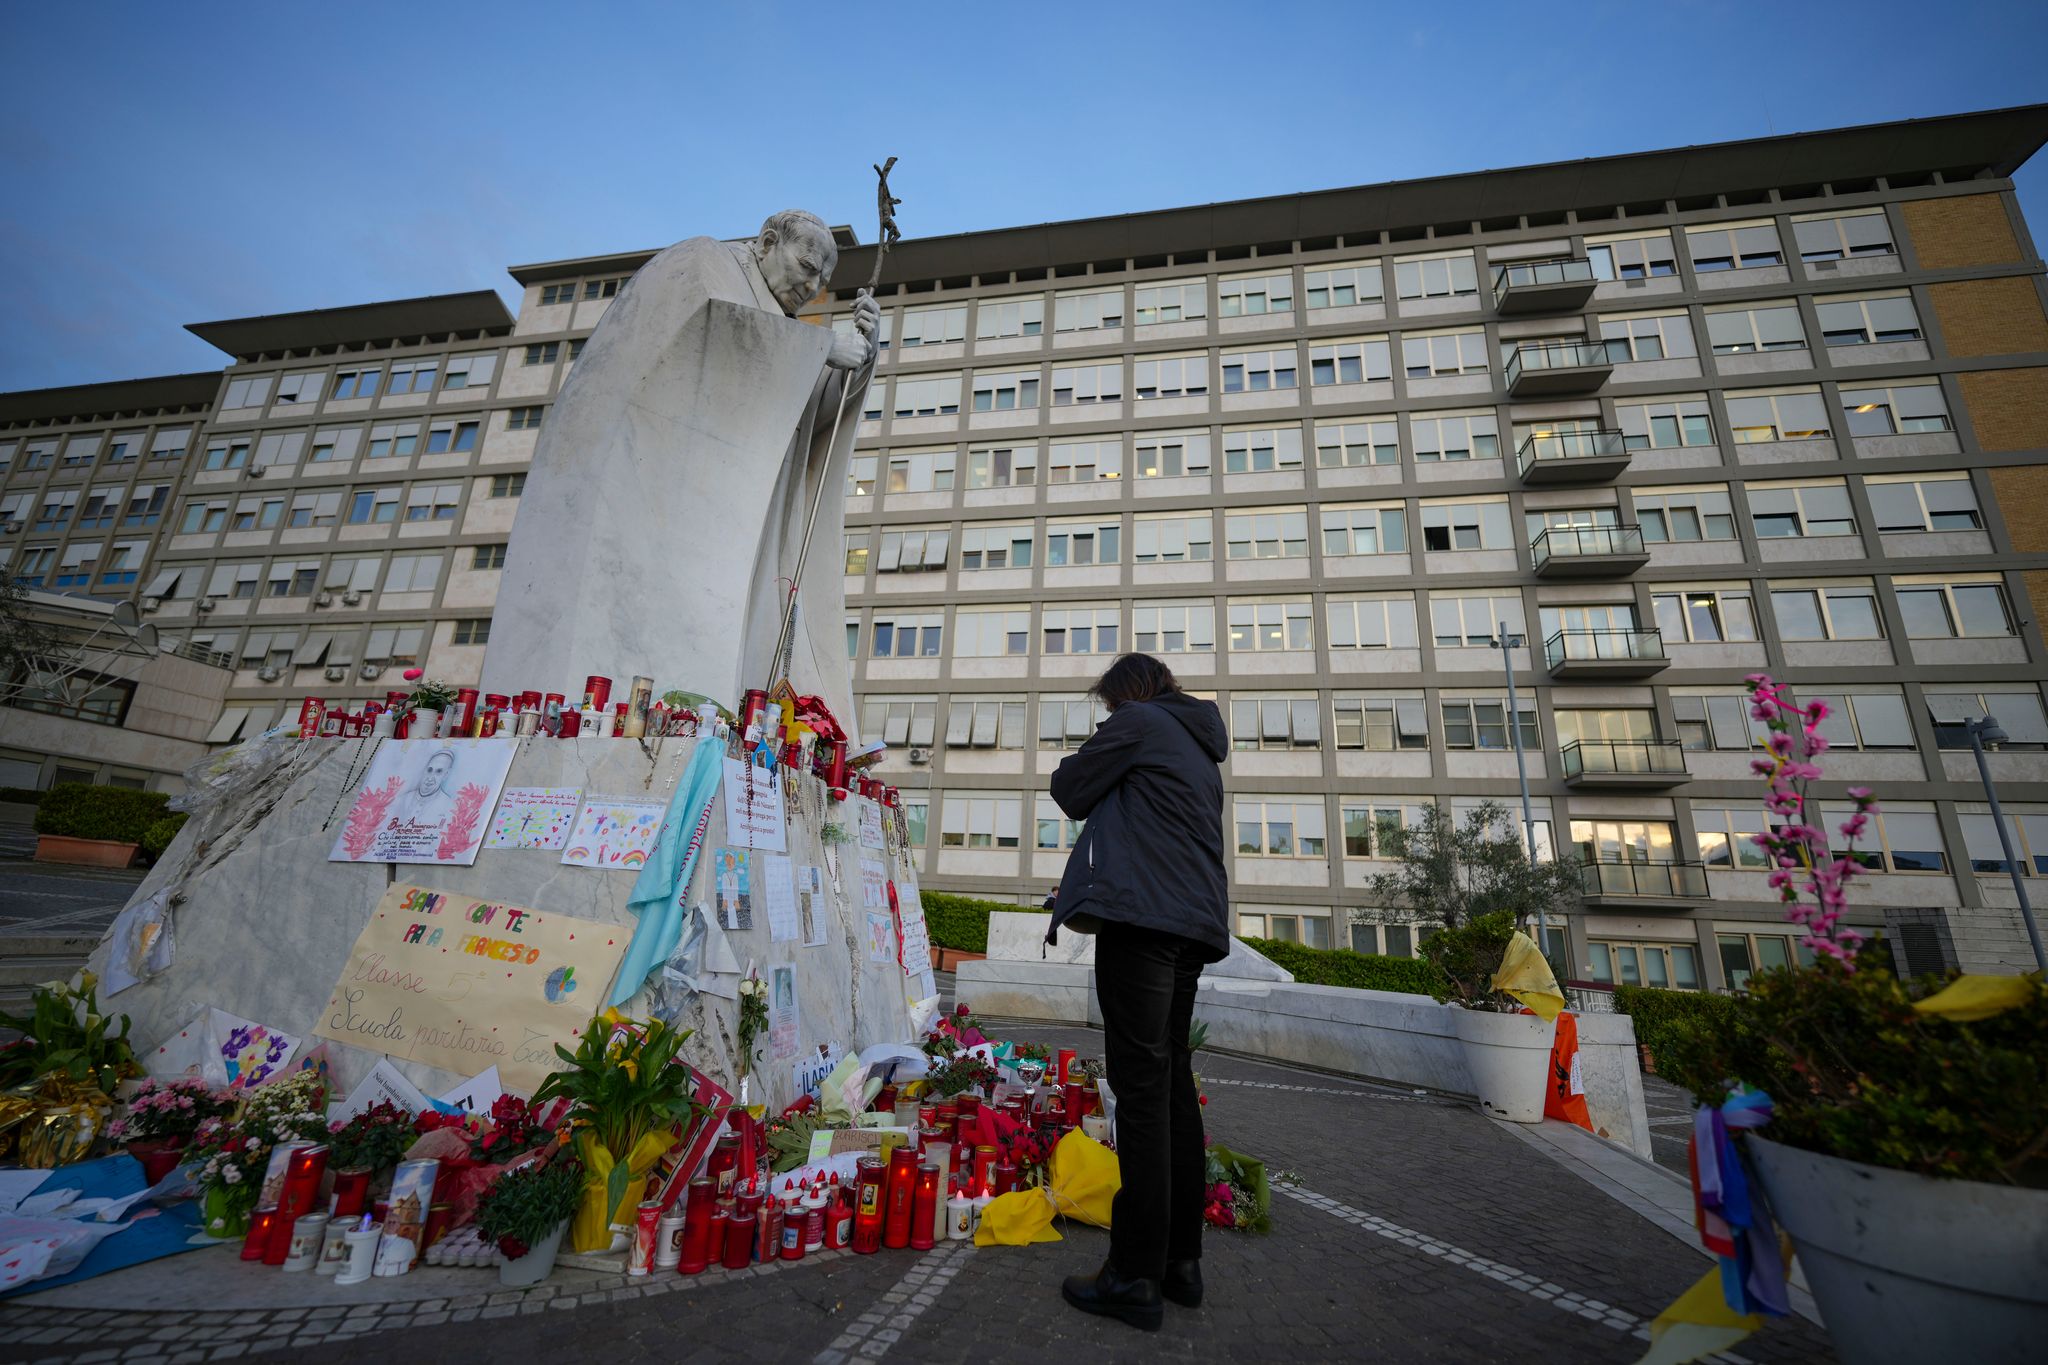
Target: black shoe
{"x":1107,"y":1295}
{"x":1183,"y":1283}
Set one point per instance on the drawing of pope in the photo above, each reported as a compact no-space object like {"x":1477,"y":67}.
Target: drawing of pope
{"x":428,"y":800}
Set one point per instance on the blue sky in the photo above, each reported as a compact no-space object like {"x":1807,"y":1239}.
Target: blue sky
{"x":167,"y":164}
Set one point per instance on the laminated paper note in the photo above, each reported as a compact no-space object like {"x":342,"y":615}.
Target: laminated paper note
{"x":465,"y":984}
{"x":814,"y":916}
{"x":778,"y":888}
{"x":782,"y":1024}
{"x":870,"y":823}
{"x":732,"y":876}
{"x":753,"y":806}
{"x":424,"y":801}
{"x":533,"y":817}
{"x":614,"y":833}
{"x":874,"y":885}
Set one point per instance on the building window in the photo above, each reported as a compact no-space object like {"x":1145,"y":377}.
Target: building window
{"x":79,"y":564}
{"x":1756,"y":327}
{"x":1685,"y":514}
{"x":225,"y":453}
{"x":1258,"y":371}
{"x":1632,"y":258}
{"x":1253,"y":295}
{"x":1482,"y":723}
{"x":860,"y":476}
{"x":1311,"y":929}
{"x":1904,"y":405}
{"x":1084,"y":461}
{"x":1172,"y":376}
{"x":1002,"y":467}
{"x":357,"y":383}
{"x":370,"y":506}
{"x":986,"y":723}
{"x":551,"y":294}
{"x":1095,"y":310}
{"x":543,"y":353}
{"x":394,"y":441}
{"x":1440,"y":353}
{"x":432,"y":501}
{"x":1716,"y":720}
{"x":1941,"y":611}
{"x":1868,"y":320}
{"x":1664,"y":966}
{"x":1080,"y":630}
{"x":517,"y":419}
{"x":1777,"y":415}
{"x":397,"y":646}
{"x":1665,"y":423}
{"x":1076,"y":384}
{"x":1279,"y":722}
{"x":932,"y":326}
{"x":1795,"y":511}
{"x":488,"y":557}
{"x":1172,"y":454}
{"x":507,"y":485}
{"x":995,"y":547}
{"x":124,"y":447}
{"x":1055,"y":830}
{"x":602,"y":289}
{"x":445,"y":437}
{"x":1863,"y":720}
{"x":1349,"y":444}
{"x":1465,"y":526}
{"x":1066,"y":722}
{"x":1279,"y":827}
{"x":1706,"y":616}
{"x":413,"y":573}
{"x":991,"y":632}
{"x":1372,"y":622}
{"x":1342,"y":286}
{"x":1844,"y":613}
{"x":921,"y":471}
{"x":914,"y":550}
{"x":1339,"y":362}
{"x":2017,"y":710}
{"x":1372,"y":824}
{"x":145,"y":505}
{"x":1171,"y":539}
{"x":1176,"y":301}
{"x":980,"y":820}
{"x":34,"y":565}
{"x":1083,"y":542}
{"x":1896,"y":838}
{"x":1649,"y":336}
{"x":916,"y":636}
{"x":1734,"y":246}
{"x":254,"y":391}
{"x":1744,"y":955}
{"x":1923,"y":502}
{"x":1173,"y":627}
{"x":935,"y":397}
{"x":1281,"y":533}
{"x":1264,"y":627}
{"x":1261,"y":450}
{"x":413,"y":376}
{"x":1454,"y":436}
{"x":474,"y":371}
{"x":257,"y":514}
{"x":1436,"y":277}
{"x":1624,"y":841}
{"x":332,"y":444}
{"x":1005,"y":392}
{"x":1840,"y":235}
{"x":995,"y":319}
{"x":857,"y":550}
{"x":89,"y":697}
{"x":203,"y":517}
{"x":1380,"y":723}
{"x":900,"y":721}
{"x":1365,"y":530}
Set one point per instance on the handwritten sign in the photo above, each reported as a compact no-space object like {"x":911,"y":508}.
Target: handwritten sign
{"x":753,"y":807}
{"x":614,"y":833}
{"x":874,"y":884}
{"x":384,"y":1085}
{"x":881,"y":937}
{"x":424,"y":801}
{"x":870,"y":823}
{"x":533,"y":817}
{"x":464,"y":984}
{"x":778,"y":887}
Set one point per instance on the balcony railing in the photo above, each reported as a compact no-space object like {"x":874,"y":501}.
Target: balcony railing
{"x":1643,"y":881}
{"x":1555,"y":450}
{"x":1623,"y":758}
{"x":1525,"y":286}
{"x":1558,"y":355}
{"x":1585,"y":544}
{"x":1604,"y":646}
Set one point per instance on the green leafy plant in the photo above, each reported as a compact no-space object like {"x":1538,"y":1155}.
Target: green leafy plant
{"x":525,"y":1205}
{"x":1661,"y":1016}
{"x":623,"y":1081}
{"x":833,"y":832}
{"x":1342,"y":967}
{"x":172,"y":1109}
{"x":1466,"y":958}
{"x":65,"y":1034}
{"x":374,"y":1140}
{"x":957,"y":1075}
{"x":959,"y":922}
{"x":1449,"y":873}
{"x":1088,"y":1070}
{"x":78,"y":810}
{"x":789,"y":1139}
{"x":429,"y":695}
{"x":1198,"y":1035}
{"x":158,"y":836}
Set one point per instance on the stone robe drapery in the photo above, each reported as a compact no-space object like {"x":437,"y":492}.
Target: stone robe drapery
{"x":664,"y":509}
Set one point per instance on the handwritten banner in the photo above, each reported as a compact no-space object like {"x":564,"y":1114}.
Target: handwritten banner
{"x":464,"y":984}
{"x":753,"y":806}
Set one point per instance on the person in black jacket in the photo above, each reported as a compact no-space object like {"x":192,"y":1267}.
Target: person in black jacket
{"x":1146,"y":878}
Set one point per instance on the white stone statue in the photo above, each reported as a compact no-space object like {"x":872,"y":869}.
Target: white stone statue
{"x":665,"y":509}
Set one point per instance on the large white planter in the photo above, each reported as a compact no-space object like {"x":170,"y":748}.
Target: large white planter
{"x":1508,"y":1056}
{"x":538,"y":1262}
{"x":1908,"y":1268}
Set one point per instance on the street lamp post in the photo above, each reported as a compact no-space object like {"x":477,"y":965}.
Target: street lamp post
{"x":1986,"y":730}
{"x":1506,"y":644}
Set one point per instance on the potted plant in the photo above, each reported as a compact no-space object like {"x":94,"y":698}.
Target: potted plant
{"x":66,"y":1064}
{"x":236,"y":1150}
{"x":362,"y":1147}
{"x":95,"y":826}
{"x":161,"y":1119}
{"x":429,"y":701}
{"x":1506,"y":1052}
{"x":628,"y":1096}
{"x":526,"y":1213}
{"x":1906,"y":1146}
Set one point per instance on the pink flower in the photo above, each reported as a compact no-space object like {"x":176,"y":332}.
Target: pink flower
{"x":414,"y":674}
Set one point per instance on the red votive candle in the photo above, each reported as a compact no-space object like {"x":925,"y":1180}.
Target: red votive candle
{"x":740,"y":1233}
{"x":901,"y":1198}
{"x":596,"y":692}
{"x":984,"y":1168}
{"x":835,"y":770}
{"x":924,"y":1212}
{"x":967,"y":1104}
{"x":700,"y":1208}
{"x":723,"y":1167}
{"x":1006,"y":1177}
{"x":867,"y":1215}
{"x":768,"y":1230}
{"x":258,"y":1236}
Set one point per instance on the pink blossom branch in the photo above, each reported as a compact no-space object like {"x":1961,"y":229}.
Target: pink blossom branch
{"x":1797,"y":846}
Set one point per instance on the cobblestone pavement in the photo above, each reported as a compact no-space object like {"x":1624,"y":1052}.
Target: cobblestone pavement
{"x":1419,"y":1232}
{"x":1670,"y":1111}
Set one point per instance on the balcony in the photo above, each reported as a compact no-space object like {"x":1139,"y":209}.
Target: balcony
{"x":1600,"y":654}
{"x":1543,"y":286}
{"x":1547,"y":457}
{"x":1642,"y":764}
{"x":1642,"y":886}
{"x":1589,"y":552}
{"x":1557,"y":369}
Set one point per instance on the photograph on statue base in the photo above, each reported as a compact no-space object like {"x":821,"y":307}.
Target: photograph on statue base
{"x":424,"y":801}
{"x":732,"y":875}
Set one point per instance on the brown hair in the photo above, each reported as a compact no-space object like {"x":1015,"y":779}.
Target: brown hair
{"x":1133,"y":677}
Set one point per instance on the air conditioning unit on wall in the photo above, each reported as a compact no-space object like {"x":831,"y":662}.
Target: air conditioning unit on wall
{"x":336,"y":672}
{"x":920,"y":757}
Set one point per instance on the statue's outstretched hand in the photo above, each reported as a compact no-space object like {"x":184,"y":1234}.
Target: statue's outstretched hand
{"x":852,"y":350}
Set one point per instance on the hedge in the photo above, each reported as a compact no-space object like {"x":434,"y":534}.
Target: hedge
{"x":960,"y":922}
{"x":158,"y":836}
{"x":87,"y":812}
{"x":1342,"y":967}
{"x":1661,"y":1016}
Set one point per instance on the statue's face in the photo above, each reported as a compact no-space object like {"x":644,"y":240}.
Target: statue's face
{"x":796,"y":265}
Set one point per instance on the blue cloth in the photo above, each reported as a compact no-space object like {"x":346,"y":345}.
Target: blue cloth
{"x":151,"y":1231}
{"x":1753,"y":1279}
{"x":664,"y":881}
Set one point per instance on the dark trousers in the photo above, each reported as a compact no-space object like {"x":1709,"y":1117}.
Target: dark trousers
{"x":1145,"y":983}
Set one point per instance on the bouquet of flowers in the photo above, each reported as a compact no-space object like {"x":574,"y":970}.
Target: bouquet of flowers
{"x":753,"y":1021}
{"x":170,"y":1111}
{"x":959,"y":1073}
{"x":954,"y":1033}
{"x":1238,"y":1196}
{"x":374,"y":1140}
{"x":516,"y":1128}
{"x":236,"y":1150}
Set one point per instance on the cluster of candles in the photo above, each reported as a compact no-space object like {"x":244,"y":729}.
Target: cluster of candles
{"x":343,"y":1240}
{"x":472,"y":715}
{"x":931,"y":1189}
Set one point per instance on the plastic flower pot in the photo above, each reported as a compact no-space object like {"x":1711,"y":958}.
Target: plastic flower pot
{"x":159,"y":1156}
{"x":1908,"y":1268}
{"x":538,"y":1262}
{"x":1508,"y":1058}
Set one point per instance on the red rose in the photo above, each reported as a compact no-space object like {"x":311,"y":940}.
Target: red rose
{"x":512,"y":1247}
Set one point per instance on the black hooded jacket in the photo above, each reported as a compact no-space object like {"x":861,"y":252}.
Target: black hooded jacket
{"x":1151,"y":854}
